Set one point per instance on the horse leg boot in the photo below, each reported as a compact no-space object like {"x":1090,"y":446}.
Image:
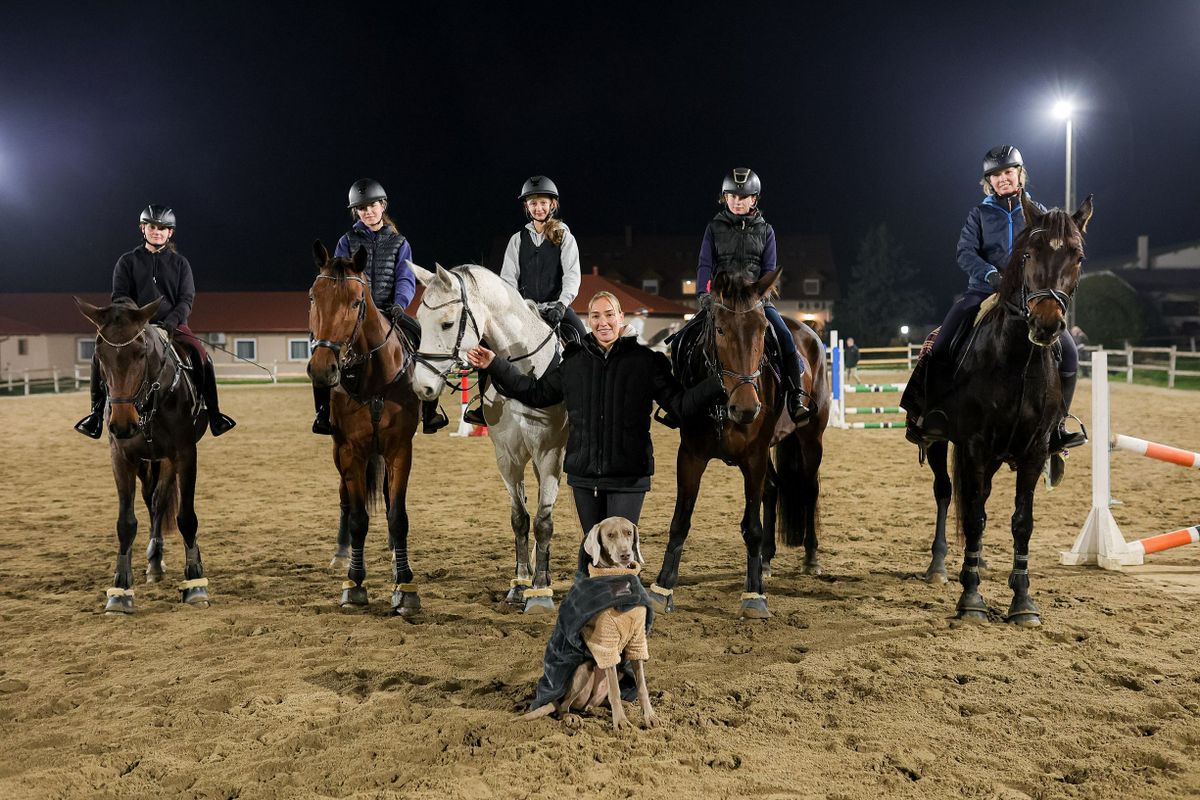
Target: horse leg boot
{"x":218,"y":423}
{"x":321,"y":424}
{"x":193,"y":590}
{"x":120,"y":596}
{"x":663,"y":599}
{"x":93,"y":424}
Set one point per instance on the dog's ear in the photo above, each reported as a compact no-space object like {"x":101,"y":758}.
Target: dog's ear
{"x":591,"y":544}
{"x":637,"y":545}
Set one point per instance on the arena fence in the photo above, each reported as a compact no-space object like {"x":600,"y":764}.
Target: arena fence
{"x":841,"y":387}
{"x":1100,"y":541}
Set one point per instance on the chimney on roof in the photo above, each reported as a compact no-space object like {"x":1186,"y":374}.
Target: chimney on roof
{"x":628,"y":237}
{"x":1143,"y":252}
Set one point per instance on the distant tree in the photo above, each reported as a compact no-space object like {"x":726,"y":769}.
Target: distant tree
{"x":882,"y":293}
{"x":1109,"y":310}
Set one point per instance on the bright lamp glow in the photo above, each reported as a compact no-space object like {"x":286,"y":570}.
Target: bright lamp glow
{"x":1063,"y":109}
{"x":904,"y":330}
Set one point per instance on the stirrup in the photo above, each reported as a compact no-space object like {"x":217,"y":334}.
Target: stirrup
{"x":797,"y":410}
{"x":474,"y":416}
{"x":432,"y":423}
{"x":934,"y":426}
{"x":1062,"y":439}
{"x":92,"y":425}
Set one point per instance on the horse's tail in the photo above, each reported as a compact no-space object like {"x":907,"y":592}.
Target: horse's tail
{"x":376,"y":475}
{"x":166,"y":495}
{"x":799,"y":489}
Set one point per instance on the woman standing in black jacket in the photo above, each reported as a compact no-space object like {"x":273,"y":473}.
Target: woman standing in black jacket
{"x":609,"y":383}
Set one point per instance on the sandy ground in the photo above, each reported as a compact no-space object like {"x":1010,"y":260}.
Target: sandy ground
{"x":859,"y":687}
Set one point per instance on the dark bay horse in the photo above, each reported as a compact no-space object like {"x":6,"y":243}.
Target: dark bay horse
{"x":374,"y":414}
{"x":732,"y":345}
{"x":156,"y":417}
{"x":1006,"y":401}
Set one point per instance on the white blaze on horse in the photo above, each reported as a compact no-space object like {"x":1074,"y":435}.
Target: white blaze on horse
{"x":460,"y":308}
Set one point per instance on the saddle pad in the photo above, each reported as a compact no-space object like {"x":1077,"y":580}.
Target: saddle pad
{"x":986,"y":307}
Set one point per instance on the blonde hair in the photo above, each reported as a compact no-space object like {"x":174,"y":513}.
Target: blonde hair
{"x":610,"y":297}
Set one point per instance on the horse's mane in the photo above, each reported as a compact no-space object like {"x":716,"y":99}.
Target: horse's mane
{"x":735,"y":287}
{"x":473,"y":272}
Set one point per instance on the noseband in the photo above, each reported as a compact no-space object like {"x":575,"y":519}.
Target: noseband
{"x":1028,"y":298}
{"x":145,"y":399}
{"x":740,"y":379}
{"x":454,"y":356}
{"x":352,"y":359}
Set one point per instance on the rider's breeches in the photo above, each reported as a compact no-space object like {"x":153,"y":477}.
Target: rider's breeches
{"x":572,"y":319}
{"x":786,"y":343}
{"x":965,"y":307}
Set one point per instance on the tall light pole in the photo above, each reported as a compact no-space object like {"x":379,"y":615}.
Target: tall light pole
{"x":1064,"y":109}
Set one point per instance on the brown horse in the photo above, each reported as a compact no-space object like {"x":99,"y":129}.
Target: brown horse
{"x":374,"y":415}
{"x":732,"y":345}
{"x":155,"y":419}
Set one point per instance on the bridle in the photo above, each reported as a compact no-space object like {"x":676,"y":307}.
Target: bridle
{"x":1028,"y":298}
{"x":714,"y":364}
{"x":352,"y":359}
{"x":145,"y":399}
{"x":454,"y":357}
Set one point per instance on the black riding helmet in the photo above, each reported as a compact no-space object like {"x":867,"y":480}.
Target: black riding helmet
{"x":1001,"y":158}
{"x":159,"y":215}
{"x":364,"y":192}
{"x":539,"y":184}
{"x":741,"y":181}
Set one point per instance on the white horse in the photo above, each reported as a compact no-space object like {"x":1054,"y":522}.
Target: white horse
{"x":460,"y":307}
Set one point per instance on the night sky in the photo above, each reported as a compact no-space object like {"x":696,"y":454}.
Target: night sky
{"x":252,"y":123}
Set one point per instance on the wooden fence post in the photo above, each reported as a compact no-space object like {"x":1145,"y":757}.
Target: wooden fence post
{"x":1128,"y":362}
{"x":1171,"y":367}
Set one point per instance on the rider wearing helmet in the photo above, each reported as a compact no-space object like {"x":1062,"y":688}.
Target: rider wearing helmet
{"x":391,"y":280}
{"x":154,"y":270}
{"x":984,"y":248}
{"x":739,"y":238}
{"x":542,"y":263}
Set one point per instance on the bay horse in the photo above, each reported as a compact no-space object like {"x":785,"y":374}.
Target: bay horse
{"x":1006,"y":401}
{"x":373,"y":412}
{"x":732,"y":344}
{"x":156,"y":417}
{"x":459,"y":308}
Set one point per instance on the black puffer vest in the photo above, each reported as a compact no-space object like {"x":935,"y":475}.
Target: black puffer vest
{"x":541,"y":270}
{"x":382,"y":249}
{"x":739,"y":241}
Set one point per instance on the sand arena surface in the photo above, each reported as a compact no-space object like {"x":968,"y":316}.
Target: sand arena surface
{"x":857,"y":688}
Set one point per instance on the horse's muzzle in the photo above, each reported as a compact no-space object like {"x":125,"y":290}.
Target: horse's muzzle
{"x":743,"y":415}
{"x":324,"y":374}
{"x":122,"y":431}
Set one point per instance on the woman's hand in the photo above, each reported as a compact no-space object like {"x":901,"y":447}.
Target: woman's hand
{"x":480,"y":357}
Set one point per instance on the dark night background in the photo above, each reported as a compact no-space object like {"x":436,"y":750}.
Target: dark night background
{"x":253,"y":121}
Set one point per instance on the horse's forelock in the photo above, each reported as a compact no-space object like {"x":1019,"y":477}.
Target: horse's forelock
{"x":734,"y":287}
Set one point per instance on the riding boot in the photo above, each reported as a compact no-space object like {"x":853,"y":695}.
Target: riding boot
{"x":218,"y":423}
{"x":93,"y":424}
{"x":934,"y":424}
{"x":1060,"y":438}
{"x":432,"y":418}
{"x":474,"y":416}
{"x":794,"y":394}
{"x":321,"y":424}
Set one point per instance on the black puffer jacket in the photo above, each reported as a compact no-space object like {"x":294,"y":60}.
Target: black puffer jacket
{"x":609,"y":400}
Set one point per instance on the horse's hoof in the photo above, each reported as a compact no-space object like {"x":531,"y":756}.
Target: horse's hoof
{"x":661,"y":600}
{"x":539,"y":605}
{"x":1023,"y":614}
{"x":936,"y":577}
{"x":405,"y":604}
{"x":812,"y":568}
{"x":766,"y":569}
{"x":120,"y":602}
{"x":972,"y":608}
{"x":754,"y":607}
{"x":197,"y":598}
{"x":354,"y":597}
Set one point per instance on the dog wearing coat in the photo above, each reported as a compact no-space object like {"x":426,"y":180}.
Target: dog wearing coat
{"x":611,"y":634}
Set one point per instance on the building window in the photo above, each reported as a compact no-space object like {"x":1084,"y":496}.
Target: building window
{"x":84,"y":348}
{"x":22,"y":347}
{"x":812,"y":286}
{"x":246,"y":348}
{"x":298,"y":350}
{"x":689,"y":286}
{"x":650,"y":285}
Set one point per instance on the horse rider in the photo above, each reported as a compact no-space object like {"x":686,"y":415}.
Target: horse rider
{"x":608,"y":382}
{"x":542,"y":263}
{"x":154,"y":270}
{"x":739,"y":238}
{"x":392,"y":283}
{"x":984,"y":248}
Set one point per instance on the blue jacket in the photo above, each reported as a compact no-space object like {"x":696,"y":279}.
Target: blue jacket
{"x":987,"y":238}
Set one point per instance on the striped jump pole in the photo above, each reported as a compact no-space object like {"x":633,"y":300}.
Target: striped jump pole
{"x":1100,"y":541}
{"x":876,"y":387}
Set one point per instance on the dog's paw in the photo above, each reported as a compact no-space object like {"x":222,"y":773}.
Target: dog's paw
{"x":572,"y":722}
{"x":621,"y":722}
{"x":650,"y":720}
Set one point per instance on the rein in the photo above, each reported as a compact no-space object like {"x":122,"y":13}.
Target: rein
{"x":1027,"y":297}
{"x":352,"y":359}
{"x":146,"y":398}
{"x":714,"y":365}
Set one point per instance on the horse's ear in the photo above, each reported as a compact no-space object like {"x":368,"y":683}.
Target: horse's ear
{"x":359,"y":260}
{"x":147,"y":312}
{"x":591,"y":544}
{"x":1084,"y":214}
{"x":444,"y":275}
{"x":1029,"y":210}
{"x":320,"y":254}
{"x":766,"y":282}
{"x":90,"y":311}
{"x":424,"y":276}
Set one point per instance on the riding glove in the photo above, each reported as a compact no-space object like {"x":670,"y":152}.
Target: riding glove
{"x":993,"y":279}
{"x":554,"y":313}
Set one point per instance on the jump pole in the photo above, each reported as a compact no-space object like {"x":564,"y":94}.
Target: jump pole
{"x":1100,"y":541}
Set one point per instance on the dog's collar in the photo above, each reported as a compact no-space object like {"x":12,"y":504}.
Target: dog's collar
{"x":595,"y":572}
